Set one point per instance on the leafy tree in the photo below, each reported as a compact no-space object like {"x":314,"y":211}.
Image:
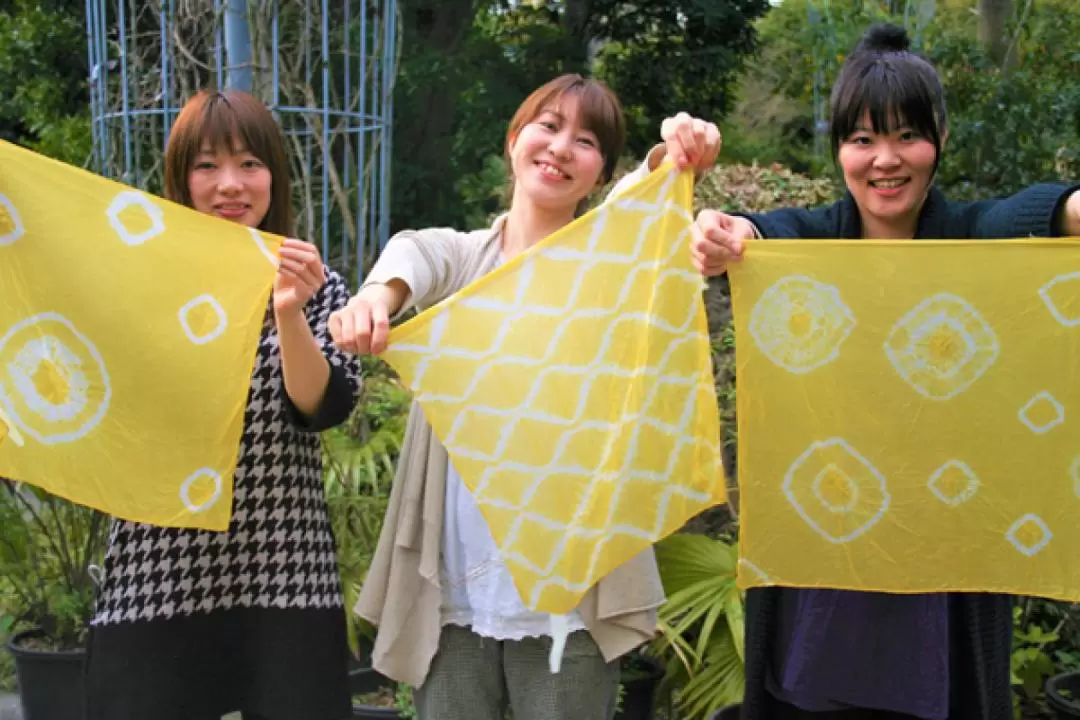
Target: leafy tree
{"x":44,"y":95}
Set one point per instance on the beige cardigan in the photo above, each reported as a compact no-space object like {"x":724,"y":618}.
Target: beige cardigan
{"x":401,"y":595}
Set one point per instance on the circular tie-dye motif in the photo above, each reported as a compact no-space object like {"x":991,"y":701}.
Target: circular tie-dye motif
{"x":53,"y":383}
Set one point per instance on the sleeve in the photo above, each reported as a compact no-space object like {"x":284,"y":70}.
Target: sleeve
{"x":343,"y":386}
{"x":1033,"y":212}
{"x":432,"y":263}
{"x":638,"y":174}
{"x":797,"y":222}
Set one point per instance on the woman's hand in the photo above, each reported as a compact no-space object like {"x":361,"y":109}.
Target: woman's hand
{"x":300,"y":275}
{"x":718,"y":239}
{"x":690,"y":142}
{"x":363,"y":325}
{"x":1070,"y":222}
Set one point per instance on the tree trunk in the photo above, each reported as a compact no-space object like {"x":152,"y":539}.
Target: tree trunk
{"x":993,"y":20}
{"x":578,"y":37}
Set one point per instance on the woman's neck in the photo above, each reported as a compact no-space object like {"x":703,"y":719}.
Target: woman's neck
{"x":527,"y":224}
{"x":900,"y":229}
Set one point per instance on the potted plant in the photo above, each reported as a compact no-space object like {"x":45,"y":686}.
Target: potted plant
{"x":639,"y":677}
{"x":47,"y":550}
{"x":1063,"y":695}
{"x":376,"y":697}
{"x":701,"y":624}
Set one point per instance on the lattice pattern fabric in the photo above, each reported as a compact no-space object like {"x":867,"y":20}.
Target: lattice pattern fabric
{"x":128,"y":330}
{"x":573,"y":390}
{"x":906,"y":415}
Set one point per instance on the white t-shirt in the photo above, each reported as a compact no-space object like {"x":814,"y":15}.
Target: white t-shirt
{"x":477,"y":590}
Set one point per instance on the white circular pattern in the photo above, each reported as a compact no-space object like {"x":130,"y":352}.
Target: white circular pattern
{"x":186,"y":310}
{"x":799,"y":323}
{"x":1027,"y":548}
{"x":261,"y":243}
{"x":1074,"y":472}
{"x":1046,"y":400}
{"x":952,"y":499}
{"x":69,"y":361}
{"x":129,"y":198}
{"x":869,"y":502}
{"x":185,"y":490}
{"x":942,"y":346}
{"x":7,"y":208}
{"x":8,"y":429}
{"x":822,"y":494}
{"x":1046,"y":293}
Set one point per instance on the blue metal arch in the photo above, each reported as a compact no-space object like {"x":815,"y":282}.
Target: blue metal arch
{"x":327,"y":73}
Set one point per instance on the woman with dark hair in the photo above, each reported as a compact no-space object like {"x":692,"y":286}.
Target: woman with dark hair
{"x":190,"y":624}
{"x":819,"y":653}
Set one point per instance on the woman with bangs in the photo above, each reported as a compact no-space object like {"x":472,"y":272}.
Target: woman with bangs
{"x":817,"y":653}
{"x":450,"y":621}
{"x":193,"y":625}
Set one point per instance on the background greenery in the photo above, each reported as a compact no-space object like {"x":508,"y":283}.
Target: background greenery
{"x":1011,"y":71}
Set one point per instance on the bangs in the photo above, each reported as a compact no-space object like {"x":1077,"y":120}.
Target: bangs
{"x":222,"y":127}
{"x":599,"y":112}
{"x":895,"y":93}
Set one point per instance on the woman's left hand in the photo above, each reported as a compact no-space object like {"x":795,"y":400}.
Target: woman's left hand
{"x":691,"y":142}
{"x":300,"y":275}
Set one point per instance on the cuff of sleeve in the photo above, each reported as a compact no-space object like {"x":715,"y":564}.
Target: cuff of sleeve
{"x":1041,"y":213}
{"x":760,"y":224}
{"x":336,"y":405}
{"x":396,"y":263}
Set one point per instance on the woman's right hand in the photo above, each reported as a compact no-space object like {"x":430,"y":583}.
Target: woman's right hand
{"x":718,"y":239}
{"x":363,"y":325}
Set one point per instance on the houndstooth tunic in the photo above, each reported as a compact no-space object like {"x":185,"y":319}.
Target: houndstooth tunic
{"x":252,"y":616}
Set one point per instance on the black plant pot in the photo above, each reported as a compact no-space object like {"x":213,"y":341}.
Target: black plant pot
{"x":366,"y":680}
{"x":731,"y":712}
{"x":50,"y":682}
{"x":639,"y":690}
{"x":1063,"y":695}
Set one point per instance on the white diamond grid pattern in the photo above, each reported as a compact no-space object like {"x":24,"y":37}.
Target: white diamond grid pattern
{"x":518,"y":311}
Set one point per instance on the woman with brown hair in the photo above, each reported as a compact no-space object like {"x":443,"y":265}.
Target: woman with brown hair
{"x":450,"y":620}
{"x":190,"y":624}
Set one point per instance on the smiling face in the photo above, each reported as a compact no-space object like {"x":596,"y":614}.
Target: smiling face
{"x":888,"y":174}
{"x":233,"y":185}
{"x":555,"y":159}
{"x":226,"y":157}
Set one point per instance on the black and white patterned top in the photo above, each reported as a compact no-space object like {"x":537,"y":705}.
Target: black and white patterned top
{"x":279,"y":550}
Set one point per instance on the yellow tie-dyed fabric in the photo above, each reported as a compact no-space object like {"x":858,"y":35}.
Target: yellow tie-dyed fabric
{"x":908,"y":415}
{"x":128,"y":330}
{"x":573,"y":390}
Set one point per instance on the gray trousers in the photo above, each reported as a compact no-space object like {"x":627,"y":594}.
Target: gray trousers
{"x":477,"y":678}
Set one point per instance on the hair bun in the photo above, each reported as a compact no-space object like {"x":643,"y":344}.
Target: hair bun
{"x":884,"y":38}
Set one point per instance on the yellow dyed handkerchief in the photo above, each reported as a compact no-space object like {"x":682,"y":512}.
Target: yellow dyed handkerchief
{"x":908,"y":415}
{"x":128,"y":330}
{"x":573,"y":390}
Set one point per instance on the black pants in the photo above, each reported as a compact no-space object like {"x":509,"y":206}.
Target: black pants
{"x":790,"y":712}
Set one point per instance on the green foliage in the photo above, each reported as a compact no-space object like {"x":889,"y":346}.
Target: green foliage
{"x":358,"y":469}
{"x":701,"y":623}
{"x":455,"y":96}
{"x":44,"y":98}
{"x":665,"y":56}
{"x":1046,"y":641}
{"x":1010,"y":128}
{"x":47,"y":550}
